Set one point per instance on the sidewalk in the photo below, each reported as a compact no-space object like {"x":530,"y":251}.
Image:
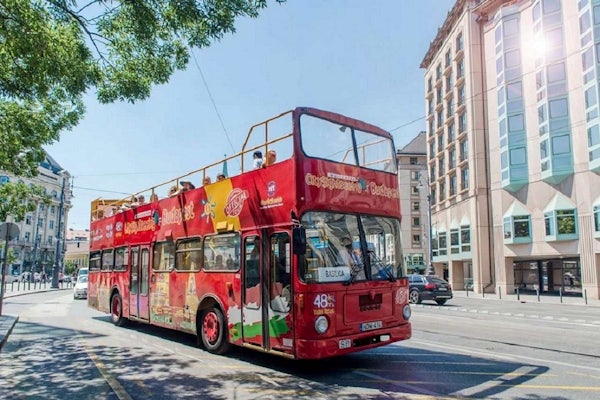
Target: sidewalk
{"x":530,"y":298}
{"x":8,"y":322}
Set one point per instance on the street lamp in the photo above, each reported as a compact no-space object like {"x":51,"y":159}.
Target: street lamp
{"x":424,"y":184}
{"x":59,"y":229}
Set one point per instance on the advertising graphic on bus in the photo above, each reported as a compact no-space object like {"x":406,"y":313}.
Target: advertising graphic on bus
{"x":296,"y":253}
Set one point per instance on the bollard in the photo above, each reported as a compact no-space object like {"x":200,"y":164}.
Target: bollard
{"x":500,"y":292}
{"x":537,"y":292}
{"x":560,"y":294}
{"x":467,"y":288}
{"x":585,"y":295}
{"x":518,"y":295}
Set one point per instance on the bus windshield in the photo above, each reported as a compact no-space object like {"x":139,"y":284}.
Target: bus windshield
{"x":373,"y":151}
{"x":350,"y":248}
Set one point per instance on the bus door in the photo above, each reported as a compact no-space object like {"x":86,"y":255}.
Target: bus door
{"x":138,"y":292}
{"x":266,"y":319}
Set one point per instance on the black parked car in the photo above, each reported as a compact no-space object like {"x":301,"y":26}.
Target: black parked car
{"x":428,"y":287}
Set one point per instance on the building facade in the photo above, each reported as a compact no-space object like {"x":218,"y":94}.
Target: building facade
{"x":77,"y":248}
{"x":42,"y":232}
{"x":512,"y":92}
{"x":412,"y":177}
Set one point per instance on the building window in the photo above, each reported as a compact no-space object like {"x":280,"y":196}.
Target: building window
{"x":415,"y":190}
{"x":416,"y":206}
{"x":464,"y":178}
{"x":451,"y":133}
{"x":454,"y":241}
{"x":416,"y":221}
{"x":560,"y":224}
{"x":27,"y":236}
{"x":414,"y":161}
{"x":465,"y":238}
{"x":459,"y":42}
{"x":462,"y":123}
{"x":50,"y":224}
{"x":597,"y":219}
{"x":460,"y":69}
{"x":464,"y":149}
{"x":517,"y":229}
{"x":28,"y":220}
{"x":443,"y":244}
{"x":415,"y":175}
{"x":416,"y":240}
{"x":452,"y":185}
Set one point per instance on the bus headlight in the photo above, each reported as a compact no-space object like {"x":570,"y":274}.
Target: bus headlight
{"x":321,"y":324}
{"x":406,"y":312}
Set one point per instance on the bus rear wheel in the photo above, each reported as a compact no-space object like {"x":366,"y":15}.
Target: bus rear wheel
{"x":116,"y":310}
{"x":212,"y":331}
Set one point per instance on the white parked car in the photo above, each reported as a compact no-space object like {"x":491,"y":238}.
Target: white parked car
{"x":80,"y":288}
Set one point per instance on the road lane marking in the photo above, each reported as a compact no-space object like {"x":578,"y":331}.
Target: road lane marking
{"x":502,"y":356}
{"x":404,"y":386}
{"x":114,"y":384}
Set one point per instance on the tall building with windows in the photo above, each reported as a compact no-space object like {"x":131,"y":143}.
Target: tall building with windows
{"x":412,"y":176}
{"x":42,"y":232}
{"x":513,"y":124}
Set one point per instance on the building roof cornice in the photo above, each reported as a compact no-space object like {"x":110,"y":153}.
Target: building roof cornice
{"x":443,"y":32}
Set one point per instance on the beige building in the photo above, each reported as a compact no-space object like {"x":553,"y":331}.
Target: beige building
{"x":41,"y":240}
{"x":78,"y":247}
{"x":412,"y":176}
{"x":513,"y":149}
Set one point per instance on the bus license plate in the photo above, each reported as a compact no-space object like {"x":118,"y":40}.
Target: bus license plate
{"x":345,"y":344}
{"x":369,"y":326}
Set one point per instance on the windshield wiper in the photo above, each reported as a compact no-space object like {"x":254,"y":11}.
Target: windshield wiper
{"x":355,"y":269}
{"x":382,"y":267}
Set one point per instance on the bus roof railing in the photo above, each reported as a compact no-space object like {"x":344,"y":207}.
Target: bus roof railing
{"x":101,"y":207}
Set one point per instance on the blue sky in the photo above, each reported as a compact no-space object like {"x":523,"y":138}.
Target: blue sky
{"x":355,"y":57}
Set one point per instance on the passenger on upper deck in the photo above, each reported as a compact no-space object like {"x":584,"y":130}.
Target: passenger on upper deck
{"x":153,"y":197}
{"x":258,"y":159}
{"x":271,"y":158}
{"x":173,"y":191}
{"x":220,"y":177}
{"x":206,"y":181}
{"x":187,"y":185}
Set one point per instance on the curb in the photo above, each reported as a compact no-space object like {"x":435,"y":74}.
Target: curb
{"x":7,"y":320}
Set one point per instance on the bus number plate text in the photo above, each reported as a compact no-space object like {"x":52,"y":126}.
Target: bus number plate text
{"x":369,"y":326}
{"x":345,"y":344}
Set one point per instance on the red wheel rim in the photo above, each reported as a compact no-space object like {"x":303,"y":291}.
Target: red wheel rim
{"x":210,"y":327}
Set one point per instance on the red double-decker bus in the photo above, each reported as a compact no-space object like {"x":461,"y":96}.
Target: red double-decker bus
{"x":300,"y":257}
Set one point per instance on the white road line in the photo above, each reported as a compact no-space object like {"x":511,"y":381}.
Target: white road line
{"x":502,"y":356}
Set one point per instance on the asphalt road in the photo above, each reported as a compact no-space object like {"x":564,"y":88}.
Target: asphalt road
{"x":470,"y":348}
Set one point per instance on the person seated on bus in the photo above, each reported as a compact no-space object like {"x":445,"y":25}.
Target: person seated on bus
{"x":187,"y":185}
{"x":153,"y":197}
{"x":219,"y":262}
{"x":257,"y":159}
{"x":173,"y":191}
{"x":141,"y":199}
{"x":220,"y":177}
{"x":133,"y":202}
{"x":270,"y":159}
{"x":206,"y":181}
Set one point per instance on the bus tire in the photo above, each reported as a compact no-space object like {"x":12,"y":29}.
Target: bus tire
{"x":116,"y":310}
{"x":213,"y":332}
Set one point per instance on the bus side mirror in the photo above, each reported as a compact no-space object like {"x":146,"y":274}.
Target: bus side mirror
{"x":299,"y":238}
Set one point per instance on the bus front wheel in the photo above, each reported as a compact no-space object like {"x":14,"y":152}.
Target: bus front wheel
{"x":116,"y":310}
{"x":213,"y":332}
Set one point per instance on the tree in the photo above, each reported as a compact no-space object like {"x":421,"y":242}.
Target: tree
{"x":54,"y":51}
{"x":17,"y":199}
